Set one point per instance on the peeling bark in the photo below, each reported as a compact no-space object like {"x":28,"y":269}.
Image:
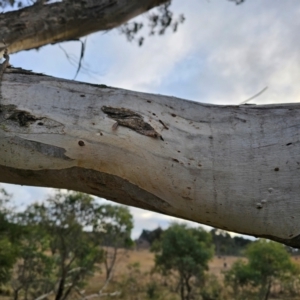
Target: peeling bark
{"x":128,"y":118}
{"x":39,"y":25}
{"x":232,"y":167}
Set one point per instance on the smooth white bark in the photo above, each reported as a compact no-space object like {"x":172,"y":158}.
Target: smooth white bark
{"x":232,"y":167}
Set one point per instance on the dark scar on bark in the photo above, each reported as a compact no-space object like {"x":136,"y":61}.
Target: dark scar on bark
{"x":128,"y":118}
{"x":23,"y":118}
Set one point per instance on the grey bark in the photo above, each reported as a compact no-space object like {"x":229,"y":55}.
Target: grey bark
{"x":39,"y":25}
{"x":231,"y":167}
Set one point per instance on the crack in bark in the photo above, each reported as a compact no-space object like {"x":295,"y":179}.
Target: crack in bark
{"x":128,"y":118}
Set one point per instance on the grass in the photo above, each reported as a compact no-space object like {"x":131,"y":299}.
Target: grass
{"x":146,"y":262}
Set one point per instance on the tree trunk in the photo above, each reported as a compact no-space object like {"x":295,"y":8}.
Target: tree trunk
{"x":39,"y":25}
{"x":267,"y":294}
{"x":231,"y":167}
{"x":188,"y":288}
{"x":182,"y":296}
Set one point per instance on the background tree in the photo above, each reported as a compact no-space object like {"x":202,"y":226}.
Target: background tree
{"x":267,"y":261}
{"x":227,"y":245}
{"x":212,"y":289}
{"x":55,"y":246}
{"x":185,"y":252}
{"x":9,"y":236}
{"x":65,"y":217}
{"x":117,"y":223}
{"x":33,"y":273}
{"x":132,"y":284}
{"x":136,"y":285}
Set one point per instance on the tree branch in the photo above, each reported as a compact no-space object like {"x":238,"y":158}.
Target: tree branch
{"x":39,"y":25}
{"x":231,"y":167}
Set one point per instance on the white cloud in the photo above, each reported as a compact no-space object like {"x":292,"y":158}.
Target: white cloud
{"x":223,"y":53}
{"x":247,"y":48}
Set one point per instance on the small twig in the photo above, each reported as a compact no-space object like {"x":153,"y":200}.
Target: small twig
{"x":83,"y":44}
{"x":73,"y":60}
{"x":256,"y":95}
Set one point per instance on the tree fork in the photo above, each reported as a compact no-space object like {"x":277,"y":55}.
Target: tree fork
{"x":231,"y":167}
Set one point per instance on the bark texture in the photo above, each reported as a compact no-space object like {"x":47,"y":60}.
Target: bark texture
{"x":232,"y":167}
{"x":39,"y":25}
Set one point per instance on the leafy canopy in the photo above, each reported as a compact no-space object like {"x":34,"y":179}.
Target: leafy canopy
{"x":184,"y":251}
{"x":267,"y":261}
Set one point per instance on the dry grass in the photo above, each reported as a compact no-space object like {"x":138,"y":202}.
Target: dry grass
{"x":221,"y":264}
{"x":144,"y":257}
{"x":146,"y":262}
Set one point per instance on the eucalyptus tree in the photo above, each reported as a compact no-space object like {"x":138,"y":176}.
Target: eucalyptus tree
{"x":231,"y":167}
{"x":182,"y":255}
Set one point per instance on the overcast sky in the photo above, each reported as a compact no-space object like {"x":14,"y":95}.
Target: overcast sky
{"x":222,"y":54}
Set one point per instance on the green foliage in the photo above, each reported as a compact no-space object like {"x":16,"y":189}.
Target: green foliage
{"x":131,"y":284}
{"x":33,"y":271}
{"x":7,"y":259}
{"x":212,"y":288}
{"x":59,"y":247}
{"x":8,"y":249}
{"x":136,"y":285}
{"x":227,"y":245}
{"x":267,"y":261}
{"x":54,"y":247}
{"x":242,"y":279}
{"x":63,"y":219}
{"x":117,"y":223}
{"x":185,"y":251}
{"x":152,"y":290}
{"x":241,"y":274}
{"x":268,"y":258}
